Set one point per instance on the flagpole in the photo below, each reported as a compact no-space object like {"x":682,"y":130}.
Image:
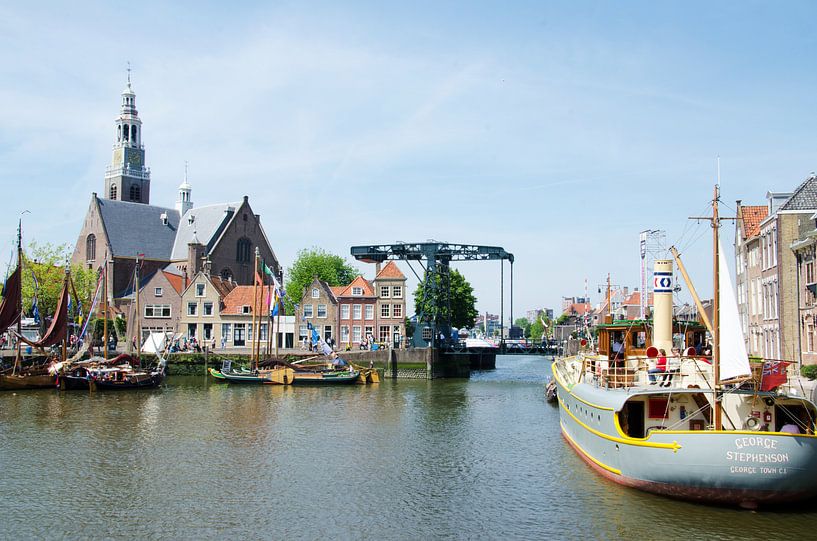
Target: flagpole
{"x":105,"y":307}
{"x":254,"y":341}
{"x":269,"y":315}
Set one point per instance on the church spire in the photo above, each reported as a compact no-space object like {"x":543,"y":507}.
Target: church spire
{"x":127,"y":178}
{"x":184,"y":203}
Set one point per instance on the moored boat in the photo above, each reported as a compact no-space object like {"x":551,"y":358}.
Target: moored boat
{"x":694,"y":427}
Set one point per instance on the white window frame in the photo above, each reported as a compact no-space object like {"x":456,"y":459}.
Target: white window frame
{"x":344,"y":311}
{"x":368,"y":312}
{"x":357,"y":311}
{"x":157,"y":292}
{"x":315,"y":293}
{"x":309,"y":311}
{"x":357,"y":291}
{"x":201,"y":289}
{"x":384,"y":292}
{"x":395,"y":309}
{"x":344,"y":334}
{"x":322,"y":309}
{"x":356,"y":334}
{"x":397,"y":292}
{"x":385,"y":311}
{"x":204,"y":309}
{"x":192,"y":308}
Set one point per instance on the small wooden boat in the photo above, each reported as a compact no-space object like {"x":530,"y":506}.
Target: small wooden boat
{"x":14,"y":382}
{"x":328,"y":377}
{"x":119,"y":379}
{"x":217,"y":374}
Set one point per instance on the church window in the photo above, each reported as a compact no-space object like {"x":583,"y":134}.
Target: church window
{"x":90,"y":247}
{"x":133,"y":134}
{"x":135,"y":193}
{"x":125,"y":132}
{"x":119,"y":133}
{"x":113,"y":192}
{"x":243,"y":250}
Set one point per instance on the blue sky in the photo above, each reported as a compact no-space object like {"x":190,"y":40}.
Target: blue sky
{"x":556,"y":130}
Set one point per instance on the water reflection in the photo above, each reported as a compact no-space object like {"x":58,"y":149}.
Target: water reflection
{"x":481,"y":458}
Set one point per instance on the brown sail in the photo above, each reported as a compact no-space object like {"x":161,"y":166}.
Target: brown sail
{"x":57,"y":330}
{"x":10,"y":307}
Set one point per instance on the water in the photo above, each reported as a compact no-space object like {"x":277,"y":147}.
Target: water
{"x":478,"y":459}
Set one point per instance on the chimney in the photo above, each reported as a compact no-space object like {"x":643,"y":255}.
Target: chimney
{"x":195,"y":253}
{"x":184,"y":278}
{"x":377,"y":268}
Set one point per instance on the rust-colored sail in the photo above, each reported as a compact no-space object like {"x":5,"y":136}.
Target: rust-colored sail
{"x":10,"y":307}
{"x":57,"y":330}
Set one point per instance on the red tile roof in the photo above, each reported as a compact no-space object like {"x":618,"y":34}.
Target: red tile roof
{"x":368,"y":290}
{"x":390,"y":271}
{"x":176,"y":281}
{"x":337,"y":290}
{"x":751,"y":218}
{"x":635,"y":299}
{"x":241,"y":296}
{"x":578,"y":309}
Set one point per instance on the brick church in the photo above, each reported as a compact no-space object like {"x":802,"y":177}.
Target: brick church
{"x":122,"y":225}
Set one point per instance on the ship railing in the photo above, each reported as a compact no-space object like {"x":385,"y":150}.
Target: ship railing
{"x":634,"y":371}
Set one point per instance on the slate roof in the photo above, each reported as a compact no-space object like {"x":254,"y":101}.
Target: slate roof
{"x":241,"y":296}
{"x":390,"y":271}
{"x":136,"y":228}
{"x":804,"y":197}
{"x":751,"y":217}
{"x":208,"y":223}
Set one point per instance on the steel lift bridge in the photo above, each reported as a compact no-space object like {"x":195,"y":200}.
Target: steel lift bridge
{"x":434,"y":315}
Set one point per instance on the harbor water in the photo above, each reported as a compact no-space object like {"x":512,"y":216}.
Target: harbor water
{"x":407,"y":459}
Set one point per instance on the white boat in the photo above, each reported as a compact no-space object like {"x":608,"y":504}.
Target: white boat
{"x":682,"y":435}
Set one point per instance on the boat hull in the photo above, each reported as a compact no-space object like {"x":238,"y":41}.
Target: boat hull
{"x":9,"y":382}
{"x":322,"y":378}
{"x":154,"y":380}
{"x":729,"y":467}
{"x":73,"y":383}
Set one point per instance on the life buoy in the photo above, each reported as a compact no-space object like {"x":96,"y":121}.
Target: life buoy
{"x":752,"y":423}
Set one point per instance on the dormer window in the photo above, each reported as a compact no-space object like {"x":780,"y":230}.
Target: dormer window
{"x":357,"y":291}
{"x":191,"y":219}
{"x":164,"y":218}
{"x":245,"y":309}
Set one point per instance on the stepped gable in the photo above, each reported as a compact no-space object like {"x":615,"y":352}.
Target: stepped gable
{"x":804,"y":197}
{"x":390,"y":271}
{"x":205,"y":223}
{"x":751,"y":217}
{"x":241,"y":296}
{"x":136,"y":228}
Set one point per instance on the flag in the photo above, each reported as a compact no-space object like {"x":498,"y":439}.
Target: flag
{"x":316,"y":338}
{"x":276,"y":306}
{"x":258,"y":279}
{"x":35,"y":311}
{"x":268,"y":271}
{"x":774,"y":374}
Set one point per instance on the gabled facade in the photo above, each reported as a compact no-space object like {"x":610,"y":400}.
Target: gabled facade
{"x":748,"y":274}
{"x":357,"y":319}
{"x":390,"y":290}
{"x":202,"y":304}
{"x":160,"y":300}
{"x":319,"y":307}
{"x":805,"y":252}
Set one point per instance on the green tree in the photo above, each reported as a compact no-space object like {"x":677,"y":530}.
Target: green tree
{"x":463,"y":302}
{"x":523,"y":324}
{"x":46,"y":263}
{"x":330,"y":268}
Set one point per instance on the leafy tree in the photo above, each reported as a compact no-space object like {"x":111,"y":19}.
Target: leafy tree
{"x":563,"y":319}
{"x":46,"y":263}
{"x":463,"y":303}
{"x":330,"y":268}
{"x":410,"y":329}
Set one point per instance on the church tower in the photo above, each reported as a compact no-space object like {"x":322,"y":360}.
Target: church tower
{"x":127,"y":178}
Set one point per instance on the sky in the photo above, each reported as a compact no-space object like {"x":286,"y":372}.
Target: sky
{"x":557,"y":130}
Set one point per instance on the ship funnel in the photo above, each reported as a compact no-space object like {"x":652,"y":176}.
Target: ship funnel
{"x":662,"y":297}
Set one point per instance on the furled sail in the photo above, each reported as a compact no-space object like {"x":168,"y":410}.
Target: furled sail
{"x":56,"y":332}
{"x":10,"y":307}
{"x":734,"y":361}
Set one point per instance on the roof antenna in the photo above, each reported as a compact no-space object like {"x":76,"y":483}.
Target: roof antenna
{"x":128,"y":72}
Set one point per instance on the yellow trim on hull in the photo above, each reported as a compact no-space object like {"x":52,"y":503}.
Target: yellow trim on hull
{"x":569,"y":389}
{"x":588,"y":455}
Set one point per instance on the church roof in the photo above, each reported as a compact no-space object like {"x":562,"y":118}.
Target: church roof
{"x":136,"y":228}
{"x":206,"y":223}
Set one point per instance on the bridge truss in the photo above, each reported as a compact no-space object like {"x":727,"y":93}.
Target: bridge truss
{"x":434,"y":313}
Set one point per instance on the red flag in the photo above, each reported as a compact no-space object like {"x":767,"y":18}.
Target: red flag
{"x":258,"y":279}
{"x":774,"y":375}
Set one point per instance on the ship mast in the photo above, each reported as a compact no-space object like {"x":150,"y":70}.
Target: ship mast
{"x":716,"y":331}
{"x":18,"y":359}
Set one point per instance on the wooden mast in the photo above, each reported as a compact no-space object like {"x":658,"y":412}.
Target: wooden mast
{"x":691,"y":287}
{"x":255,"y":324}
{"x":716,"y":347}
{"x":279,"y":304}
{"x":68,"y":314}
{"x":138,"y":318}
{"x":105,"y":307}
{"x":19,"y":355}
